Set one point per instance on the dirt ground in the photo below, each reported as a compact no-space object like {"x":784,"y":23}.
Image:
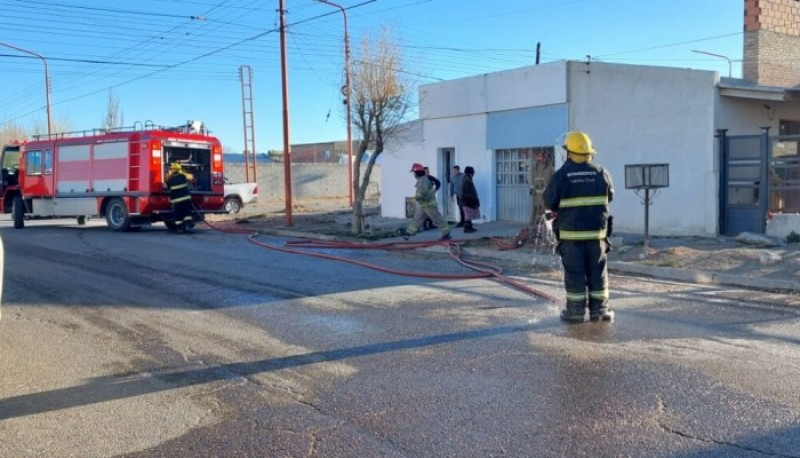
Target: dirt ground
{"x":713,"y":254}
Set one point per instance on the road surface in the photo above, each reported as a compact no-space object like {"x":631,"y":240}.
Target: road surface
{"x":151,"y":344}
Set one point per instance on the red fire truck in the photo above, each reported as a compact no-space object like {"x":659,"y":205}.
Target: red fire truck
{"x":117,"y":174}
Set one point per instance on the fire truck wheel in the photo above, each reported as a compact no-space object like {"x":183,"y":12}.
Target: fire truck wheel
{"x":232,"y":205}
{"x":18,"y":212}
{"x":117,"y":215}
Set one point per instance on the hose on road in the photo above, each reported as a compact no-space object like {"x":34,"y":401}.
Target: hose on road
{"x":482,"y":269}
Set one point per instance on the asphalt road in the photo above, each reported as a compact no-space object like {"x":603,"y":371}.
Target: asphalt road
{"x":151,"y":344}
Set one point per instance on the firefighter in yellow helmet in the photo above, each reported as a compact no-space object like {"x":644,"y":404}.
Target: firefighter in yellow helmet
{"x":180,"y":197}
{"x":426,"y":206}
{"x":579,"y":194}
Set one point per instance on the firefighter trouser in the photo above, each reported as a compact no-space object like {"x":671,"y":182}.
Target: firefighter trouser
{"x":585,"y":276}
{"x":422,"y":212}
{"x":183,"y":213}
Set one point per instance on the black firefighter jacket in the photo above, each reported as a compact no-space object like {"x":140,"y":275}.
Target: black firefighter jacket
{"x":580,"y":194}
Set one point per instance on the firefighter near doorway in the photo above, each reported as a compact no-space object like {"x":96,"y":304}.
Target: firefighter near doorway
{"x":578,"y":196}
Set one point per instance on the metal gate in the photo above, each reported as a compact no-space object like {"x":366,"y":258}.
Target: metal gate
{"x":743,"y":183}
{"x":759,"y":175}
{"x":522,"y":174}
{"x":513,"y":185}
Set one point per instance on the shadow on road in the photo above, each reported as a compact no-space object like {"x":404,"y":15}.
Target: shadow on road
{"x":111,"y":388}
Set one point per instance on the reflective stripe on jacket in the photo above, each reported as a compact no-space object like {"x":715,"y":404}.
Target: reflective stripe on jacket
{"x":178,"y":188}
{"x":580,"y":194}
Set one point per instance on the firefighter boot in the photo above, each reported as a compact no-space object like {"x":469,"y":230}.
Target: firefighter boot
{"x":605,"y":315}
{"x":599,"y":311}
{"x":403,"y":233}
{"x":468,"y":227}
{"x":570,"y":318}
{"x":573,"y":314}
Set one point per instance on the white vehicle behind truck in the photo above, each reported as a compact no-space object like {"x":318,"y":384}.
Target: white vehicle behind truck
{"x":237,"y":195}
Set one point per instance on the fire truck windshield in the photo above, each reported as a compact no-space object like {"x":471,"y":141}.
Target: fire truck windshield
{"x":11,"y":157}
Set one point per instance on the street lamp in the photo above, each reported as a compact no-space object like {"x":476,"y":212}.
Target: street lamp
{"x":46,"y":80}
{"x":716,"y":55}
{"x":346,"y":90}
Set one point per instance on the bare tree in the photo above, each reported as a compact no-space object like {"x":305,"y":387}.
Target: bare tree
{"x":113,"y":117}
{"x":12,"y":131}
{"x":59,"y":125}
{"x":380,"y":102}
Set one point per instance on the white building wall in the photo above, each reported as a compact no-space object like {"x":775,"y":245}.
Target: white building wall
{"x":396,"y":182}
{"x":507,"y":90}
{"x":638,"y":114}
{"x":527,"y":87}
{"x":467,"y":136}
{"x":454,"y":114}
{"x":634,"y":114}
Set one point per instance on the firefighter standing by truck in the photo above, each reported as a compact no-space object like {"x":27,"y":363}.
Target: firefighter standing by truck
{"x":579,"y":193}
{"x":180,"y":197}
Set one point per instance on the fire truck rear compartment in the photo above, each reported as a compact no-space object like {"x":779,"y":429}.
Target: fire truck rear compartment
{"x":194,"y":161}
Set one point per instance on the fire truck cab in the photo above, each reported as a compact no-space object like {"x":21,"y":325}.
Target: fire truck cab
{"x":117,"y":174}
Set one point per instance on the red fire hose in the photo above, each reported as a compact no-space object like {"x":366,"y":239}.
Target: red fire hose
{"x":482,"y":269}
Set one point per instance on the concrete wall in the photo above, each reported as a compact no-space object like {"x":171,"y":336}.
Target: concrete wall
{"x":309,"y":181}
{"x":638,"y":114}
{"x":745,"y":116}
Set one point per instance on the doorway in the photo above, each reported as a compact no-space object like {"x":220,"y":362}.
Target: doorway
{"x":447,"y":159}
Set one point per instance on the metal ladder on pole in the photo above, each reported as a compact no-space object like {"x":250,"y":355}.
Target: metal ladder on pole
{"x":246,"y":76}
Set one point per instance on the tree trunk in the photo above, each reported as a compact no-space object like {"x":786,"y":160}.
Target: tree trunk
{"x":358,"y":197}
{"x":358,"y":205}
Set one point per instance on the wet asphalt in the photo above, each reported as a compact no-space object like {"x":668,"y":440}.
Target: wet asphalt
{"x":151,"y":344}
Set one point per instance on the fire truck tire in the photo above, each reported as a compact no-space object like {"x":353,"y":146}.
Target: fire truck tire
{"x":18,"y":212}
{"x":232,"y":205}
{"x":117,"y":215}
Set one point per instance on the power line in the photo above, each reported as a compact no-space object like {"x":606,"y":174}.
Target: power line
{"x":86,"y":61}
{"x":110,"y":10}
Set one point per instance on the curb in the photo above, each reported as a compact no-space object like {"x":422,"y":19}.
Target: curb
{"x":703,"y":276}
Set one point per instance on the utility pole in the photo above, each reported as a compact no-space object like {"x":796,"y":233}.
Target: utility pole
{"x":346,"y":91}
{"x":46,"y":82}
{"x":287,"y":153}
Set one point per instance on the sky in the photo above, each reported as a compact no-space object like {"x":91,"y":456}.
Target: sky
{"x":170,"y":61}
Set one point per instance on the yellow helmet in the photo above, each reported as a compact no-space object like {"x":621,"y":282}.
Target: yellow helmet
{"x":578,"y":143}
{"x":174,"y":167}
